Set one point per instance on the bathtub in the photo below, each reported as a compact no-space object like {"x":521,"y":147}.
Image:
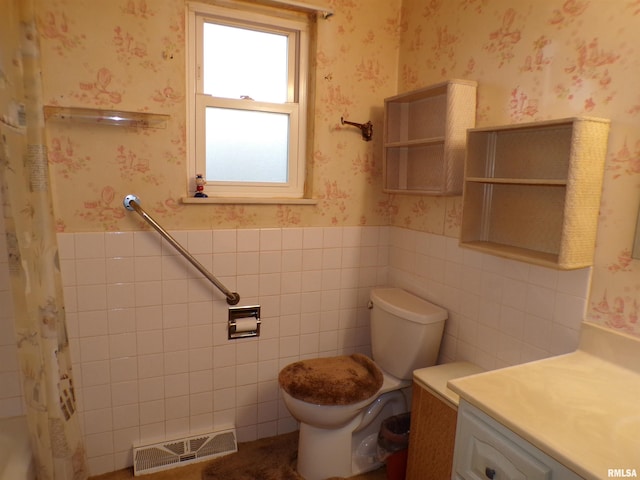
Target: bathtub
{"x":16,"y":461}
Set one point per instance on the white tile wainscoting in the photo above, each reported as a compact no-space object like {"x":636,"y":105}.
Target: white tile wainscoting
{"x":150,"y":349}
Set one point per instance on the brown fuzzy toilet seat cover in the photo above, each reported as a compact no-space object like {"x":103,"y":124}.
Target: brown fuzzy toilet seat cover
{"x":340,"y":380}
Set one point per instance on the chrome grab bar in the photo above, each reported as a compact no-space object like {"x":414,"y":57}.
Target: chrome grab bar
{"x":132,"y":202}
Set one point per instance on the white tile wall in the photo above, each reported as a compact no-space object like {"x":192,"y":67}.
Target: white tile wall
{"x":501,"y":312}
{"x":149,"y":333}
{"x":149,"y":340}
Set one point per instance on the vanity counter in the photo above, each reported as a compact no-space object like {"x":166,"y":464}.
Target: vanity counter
{"x":582,"y":408}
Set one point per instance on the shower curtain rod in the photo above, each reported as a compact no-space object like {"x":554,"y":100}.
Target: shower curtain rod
{"x":132,"y":202}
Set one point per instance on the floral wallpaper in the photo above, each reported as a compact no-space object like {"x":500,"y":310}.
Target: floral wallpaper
{"x":533,"y":60}
{"x":131,"y":56}
{"x":537,"y":60}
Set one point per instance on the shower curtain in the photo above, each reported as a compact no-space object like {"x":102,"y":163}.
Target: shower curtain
{"x":40,"y":325}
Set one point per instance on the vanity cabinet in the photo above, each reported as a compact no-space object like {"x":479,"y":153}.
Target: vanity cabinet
{"x":424,"y":138}
{"x":532,"y":191}
{"x":485,"y":449}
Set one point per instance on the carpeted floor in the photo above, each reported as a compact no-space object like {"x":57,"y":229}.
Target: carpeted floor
{"x":271,"y":458}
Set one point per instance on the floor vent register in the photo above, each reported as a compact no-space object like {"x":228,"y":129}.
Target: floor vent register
{"x":175,"y":453}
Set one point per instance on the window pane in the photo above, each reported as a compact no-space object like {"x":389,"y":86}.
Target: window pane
{"x":240,"y":62}
{"x":246,"y":146}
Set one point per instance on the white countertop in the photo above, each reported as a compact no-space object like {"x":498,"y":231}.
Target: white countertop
{"x":435,"y":379}
{"x":583,"y":408}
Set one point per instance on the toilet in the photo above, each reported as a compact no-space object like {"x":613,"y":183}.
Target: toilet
{"x":341,"y":401}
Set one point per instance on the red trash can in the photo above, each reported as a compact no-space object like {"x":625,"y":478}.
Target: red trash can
{"x":393,"y":445}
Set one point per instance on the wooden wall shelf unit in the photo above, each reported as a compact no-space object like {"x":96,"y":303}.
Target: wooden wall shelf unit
{"x":425,"y":133}
{"x":532,"y":191}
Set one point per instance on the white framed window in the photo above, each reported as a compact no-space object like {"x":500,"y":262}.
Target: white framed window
{"x":247,"y":75}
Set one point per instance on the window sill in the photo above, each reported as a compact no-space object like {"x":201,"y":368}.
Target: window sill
{"x":249,"y":201}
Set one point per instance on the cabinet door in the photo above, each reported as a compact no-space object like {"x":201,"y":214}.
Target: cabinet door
{"x":432,"y":438}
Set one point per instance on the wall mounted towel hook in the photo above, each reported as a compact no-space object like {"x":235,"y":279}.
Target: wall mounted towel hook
{"x":366,"y":128}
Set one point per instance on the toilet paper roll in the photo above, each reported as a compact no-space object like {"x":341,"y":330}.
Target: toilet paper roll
{"x":249,"y":324}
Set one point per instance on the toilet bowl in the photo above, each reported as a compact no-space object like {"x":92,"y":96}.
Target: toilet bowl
{"x":338,"y":436}
{"x":324,"y":416}
{"x":347,"y":449}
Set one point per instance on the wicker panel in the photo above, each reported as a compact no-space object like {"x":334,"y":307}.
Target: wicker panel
{"x":432,"y":437}
{"x":584,"y":189}
{"x":461,"y":115}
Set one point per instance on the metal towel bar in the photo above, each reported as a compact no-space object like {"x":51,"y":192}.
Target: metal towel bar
{"x":132,"y":202}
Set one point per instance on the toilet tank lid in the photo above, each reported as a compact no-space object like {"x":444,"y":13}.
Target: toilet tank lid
{"x":406,"y":305}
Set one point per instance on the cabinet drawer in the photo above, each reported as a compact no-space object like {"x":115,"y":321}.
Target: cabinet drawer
{"x":485,"y":449}
{"x":486,"y":454}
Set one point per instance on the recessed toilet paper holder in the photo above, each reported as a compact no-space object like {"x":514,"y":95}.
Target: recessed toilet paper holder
{"x":244,"y":322}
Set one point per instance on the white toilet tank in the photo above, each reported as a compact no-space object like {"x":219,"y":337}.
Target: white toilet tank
{"x":406,"y":331}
